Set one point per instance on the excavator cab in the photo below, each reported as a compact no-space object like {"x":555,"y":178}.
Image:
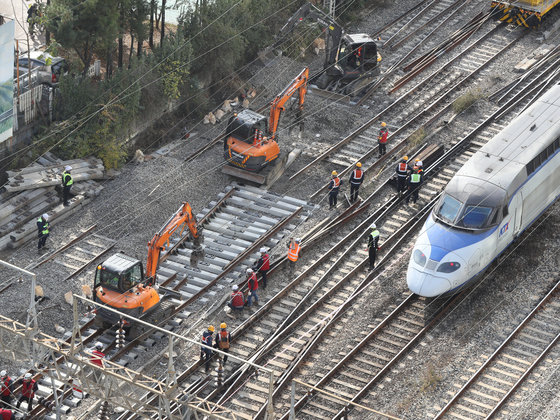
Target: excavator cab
{"x":358,"y":54}
{"x":245,"y":145}
{"x":119,"y":273}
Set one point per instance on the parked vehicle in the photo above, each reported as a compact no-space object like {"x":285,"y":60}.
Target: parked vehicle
{"x":49,"y":68}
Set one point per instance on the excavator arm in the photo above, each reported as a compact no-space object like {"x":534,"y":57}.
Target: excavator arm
{"x":181,"y":219}
{"x":277,"y":107}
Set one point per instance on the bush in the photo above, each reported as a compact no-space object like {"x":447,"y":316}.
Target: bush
{"x":466,"y":100}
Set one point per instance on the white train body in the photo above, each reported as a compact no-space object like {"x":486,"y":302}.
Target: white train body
{"x":493,"y":198}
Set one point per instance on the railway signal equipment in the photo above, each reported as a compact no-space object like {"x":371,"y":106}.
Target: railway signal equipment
{"x":122,"y":284}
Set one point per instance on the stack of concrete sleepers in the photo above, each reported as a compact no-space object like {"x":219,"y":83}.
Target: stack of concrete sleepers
{"x":244,"y":219}
{"x":30,"y":192}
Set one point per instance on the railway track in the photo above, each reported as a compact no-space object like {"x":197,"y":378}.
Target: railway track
{"x":418,"y":108}
{"x":500,"y":375}
{"x":235,"y":226}
{"x":252,"y":390}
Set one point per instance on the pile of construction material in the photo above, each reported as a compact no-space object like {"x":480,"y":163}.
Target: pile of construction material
{"x":31,"y":191}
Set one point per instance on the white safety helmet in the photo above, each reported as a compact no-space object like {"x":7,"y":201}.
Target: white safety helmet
{"x":234,"y":288}
{"x":419,"y":163}
{"x":99,"y":345}
{"x":373,"y":226}
{"x":298,"y":240}
{"x":67,"y":168}
{"x":45,"y":216}
{"x":27,"y":376}
{"x":3,"y":373}
{"x":263,"y":250}
{"x":249,"y":270}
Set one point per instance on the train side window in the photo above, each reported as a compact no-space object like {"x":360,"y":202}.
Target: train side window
{"x":530,"y":167}
{"x":505,"y":210}
{"x":556,"y":144}
{"x":549,"y":150}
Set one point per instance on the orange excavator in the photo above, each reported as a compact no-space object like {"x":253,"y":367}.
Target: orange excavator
{"x":122,"y":284}
{"x":251,"y":142}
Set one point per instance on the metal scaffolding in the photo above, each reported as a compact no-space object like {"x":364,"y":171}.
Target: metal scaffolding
{"x":68,"y":365}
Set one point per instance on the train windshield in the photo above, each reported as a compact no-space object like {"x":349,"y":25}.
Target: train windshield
{"x":449,"y":209}
{"x":475,"y":217}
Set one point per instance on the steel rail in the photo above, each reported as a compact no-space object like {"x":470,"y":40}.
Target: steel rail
{"x":398,"y":237}
{"x":401,"y":17}
{"x":394,"y":104}
{"x":425,"y":110}
{"x":263,"y":309}
{"x":496,"y":352}
{"x":421,"y":13}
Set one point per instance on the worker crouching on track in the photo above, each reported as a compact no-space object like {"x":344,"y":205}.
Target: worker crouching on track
{"x":253,"y":286}
{"x":223,"y":340}
{"x":236,"y":301}
{"x":382,"y":139}
{"x":402,"y":173}
{"x":293,"y":254}
{"x":263,"y":265}
{"x":373,"y":245}
{"x":334,"y":187}
{"x":206,"y":353}
{"x":28,"y":388}
{"x":6,"y":389}
{"x":97,"y":354}
{"x":6,"y":414}
{"x":356,"y":179}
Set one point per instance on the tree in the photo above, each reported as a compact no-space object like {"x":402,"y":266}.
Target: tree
{"x":82,"y":26}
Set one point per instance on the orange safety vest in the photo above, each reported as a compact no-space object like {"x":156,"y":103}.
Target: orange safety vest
{"x":293,"y":252}
{"x":224,"y":340}
{"x":6,"y":387}
{"x":96,"y":358}
{"x":358,"y":174}
{"x":336,"y":182}
{"x":27,"y":389}
{"x":383,"y":133}
{"x":402,"y":169}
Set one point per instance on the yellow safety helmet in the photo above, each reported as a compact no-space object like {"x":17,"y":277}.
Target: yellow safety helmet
{"x":416,"y":160}
{"x":334,"y":173}
{"x":211,"y":328}
{"x":223,"y":326}
{"x":359,"y":164}
{"x":383,"y":124}
{"x":405,"y":157}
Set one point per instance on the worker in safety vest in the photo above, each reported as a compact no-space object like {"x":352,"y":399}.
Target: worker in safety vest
{"x":42,"y":230}
{"x":252,"y":286}
{"x":402,"y":171}
{"x":418,"y":166}
{"x":414,"y":184}
{"x":334,"y":187}
{"x":223,"y":339}
{"x":206,"y":353}
{"x":356,"y":179}
{"x":373,"y":245}
{"x":6,"y":389}
{"x":263,"y":265}
{"x":28,"y":389}
{"x":237,"y":300}
{"x":293,"y":253}
{"x":382,"y":139}
{"x":97,"y":354}
{"x":67,"y":183}
{"x":6,"y":414}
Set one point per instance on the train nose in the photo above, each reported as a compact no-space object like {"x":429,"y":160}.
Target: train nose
{"x":427,"y":285}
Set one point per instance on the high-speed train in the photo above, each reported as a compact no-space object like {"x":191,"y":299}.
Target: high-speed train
{"x":502,"y":189}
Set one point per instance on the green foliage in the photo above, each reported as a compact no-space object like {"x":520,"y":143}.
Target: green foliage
{"x":82,"y":26}
{"x":301,"y":40}
{"x":417,"y":137}
{"x":173,"y":74}
{"x":465,"y":101}
{"x":430,"y":380}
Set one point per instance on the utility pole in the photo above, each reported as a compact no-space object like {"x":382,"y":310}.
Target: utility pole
{"x":331,"y":5}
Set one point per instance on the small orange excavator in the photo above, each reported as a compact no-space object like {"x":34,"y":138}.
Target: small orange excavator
{"x":120,"y":281}
{"x":250,"y":142}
